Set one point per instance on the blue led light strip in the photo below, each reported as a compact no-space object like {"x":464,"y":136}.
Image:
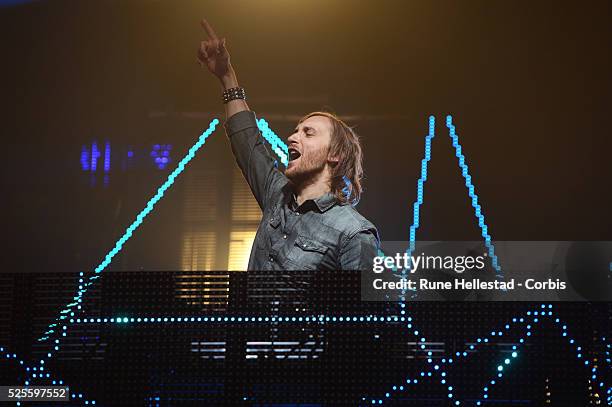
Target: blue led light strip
{"x":477,"y":209}
{"x":321,"y":319}
{"x":278,"y":146}
{"x":128,"y":233}
{"x":417,"y":205}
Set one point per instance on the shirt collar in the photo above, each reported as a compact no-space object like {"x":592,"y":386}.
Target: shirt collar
{"x":323,"y":203}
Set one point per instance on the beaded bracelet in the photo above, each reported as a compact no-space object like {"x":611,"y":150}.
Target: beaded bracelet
{"x":233,"y":93}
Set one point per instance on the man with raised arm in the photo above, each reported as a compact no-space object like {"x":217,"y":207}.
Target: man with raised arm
{"x":309,"y":220}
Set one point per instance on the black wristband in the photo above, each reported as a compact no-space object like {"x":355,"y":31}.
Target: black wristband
{"x":233,"y":93}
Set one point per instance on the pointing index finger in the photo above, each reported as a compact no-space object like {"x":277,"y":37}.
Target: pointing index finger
{"x":209,"y":30}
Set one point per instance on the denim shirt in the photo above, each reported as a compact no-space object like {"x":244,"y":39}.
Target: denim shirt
{"x":320,"y":234}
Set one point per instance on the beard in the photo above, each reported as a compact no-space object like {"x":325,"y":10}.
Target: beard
{"x":307,"y":166}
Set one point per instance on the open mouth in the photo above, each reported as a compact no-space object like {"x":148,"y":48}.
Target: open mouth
{"x":294,"y":154}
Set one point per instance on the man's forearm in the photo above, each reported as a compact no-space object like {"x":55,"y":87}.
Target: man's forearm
{"x":237,"y":105}
{"x":247,"y":143}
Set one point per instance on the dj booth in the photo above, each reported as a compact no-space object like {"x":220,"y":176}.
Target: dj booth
{"x":298,"y":338}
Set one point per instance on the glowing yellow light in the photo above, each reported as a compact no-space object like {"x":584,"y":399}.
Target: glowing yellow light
{"x":241,"y":242}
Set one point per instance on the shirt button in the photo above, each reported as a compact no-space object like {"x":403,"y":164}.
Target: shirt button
{"x":284,"y":236}
{"x":270,"y":259}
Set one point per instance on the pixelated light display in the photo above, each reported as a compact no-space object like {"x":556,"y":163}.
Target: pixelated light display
{"x":436,"y":368}
{"x":161,"y":155}
{"x":527,"y":321}
{"x":91,"y":156}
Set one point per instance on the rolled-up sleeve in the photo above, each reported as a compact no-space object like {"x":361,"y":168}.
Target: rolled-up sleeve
{"x":252,"y":155}
{"x":359,"y":250}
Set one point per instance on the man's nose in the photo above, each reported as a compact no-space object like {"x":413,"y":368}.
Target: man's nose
{"x":293,"y":138}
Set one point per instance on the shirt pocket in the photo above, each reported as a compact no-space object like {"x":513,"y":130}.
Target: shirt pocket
{"x":272,"y":226}
{"x":275,"y":220}
{"x":306,"y":253}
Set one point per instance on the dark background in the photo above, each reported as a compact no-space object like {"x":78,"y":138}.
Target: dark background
{"x":528,"y":85}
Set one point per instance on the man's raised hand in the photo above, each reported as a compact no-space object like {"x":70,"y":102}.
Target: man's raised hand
{"x":213,"y":53}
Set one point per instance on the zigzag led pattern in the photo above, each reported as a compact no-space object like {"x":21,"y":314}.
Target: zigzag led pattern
{"x":436,"y":367}
{"x":279,"y":148}
{"x":535,"y":317}
{"x":471,"y":192}
{"x":468,"y":183}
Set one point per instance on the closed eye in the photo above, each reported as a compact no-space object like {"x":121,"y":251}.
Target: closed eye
{"x":307,"y":130}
